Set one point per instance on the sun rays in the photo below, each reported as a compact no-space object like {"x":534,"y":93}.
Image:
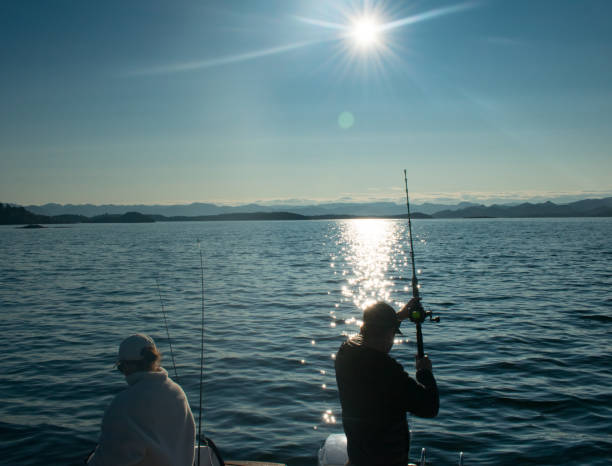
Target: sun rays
{"x":362,"y":34}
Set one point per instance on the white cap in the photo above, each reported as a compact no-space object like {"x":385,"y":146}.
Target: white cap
{"x":131,"y":348}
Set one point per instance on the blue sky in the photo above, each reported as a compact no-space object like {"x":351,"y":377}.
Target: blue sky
{"x":239,"y":101}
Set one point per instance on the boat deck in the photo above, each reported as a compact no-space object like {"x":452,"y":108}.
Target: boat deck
{"x":252,"y":463}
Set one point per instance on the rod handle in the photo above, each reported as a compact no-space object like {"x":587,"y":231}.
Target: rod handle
{"x":420,"y":351}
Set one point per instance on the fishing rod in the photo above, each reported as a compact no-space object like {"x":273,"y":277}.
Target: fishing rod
{"x":201,"y":359}
{"x":167,"y":330}
{"x":206,"y":440}
{"x":416,"y":316}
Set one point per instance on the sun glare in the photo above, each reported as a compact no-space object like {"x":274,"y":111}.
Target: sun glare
{"x":365,"y":32}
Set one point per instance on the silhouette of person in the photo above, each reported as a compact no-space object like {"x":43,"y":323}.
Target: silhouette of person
{"x":376,"y":393}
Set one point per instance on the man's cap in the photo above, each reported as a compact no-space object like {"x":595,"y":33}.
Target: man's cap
{"x":131,"y":348}
{"x":381,"y":315}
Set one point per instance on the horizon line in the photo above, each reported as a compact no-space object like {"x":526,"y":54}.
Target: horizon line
{"x":416,"y":198}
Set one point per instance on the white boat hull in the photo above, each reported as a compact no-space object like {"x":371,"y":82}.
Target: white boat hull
{"x":209,"y":458}
{"x":333,"y":451}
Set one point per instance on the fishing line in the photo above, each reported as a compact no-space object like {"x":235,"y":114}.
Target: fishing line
{"x":167,"y":330}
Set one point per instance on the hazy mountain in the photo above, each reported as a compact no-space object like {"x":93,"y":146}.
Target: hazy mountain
{"x":430,"y":208}
{"x":199,"y":209}
{"x":69,"y":214}
{"x":584,"y":208}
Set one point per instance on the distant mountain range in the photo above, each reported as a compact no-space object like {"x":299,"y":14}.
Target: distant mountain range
{"x":199,"y":209}
{"x":55,"y":213}
{"x":584,"y":208}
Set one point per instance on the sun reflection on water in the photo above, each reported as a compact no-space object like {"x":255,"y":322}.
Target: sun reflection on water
{"x":368,"y":254}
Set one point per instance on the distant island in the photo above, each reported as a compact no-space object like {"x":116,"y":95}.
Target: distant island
{"x":18,"y":215}
{"x":11,"y":215}
{"x":128,"y":217}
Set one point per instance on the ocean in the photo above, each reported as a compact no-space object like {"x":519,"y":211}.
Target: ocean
{"x":522,"y":355}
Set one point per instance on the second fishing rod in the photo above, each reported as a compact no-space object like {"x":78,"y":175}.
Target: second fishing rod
{"x":416,"y":316}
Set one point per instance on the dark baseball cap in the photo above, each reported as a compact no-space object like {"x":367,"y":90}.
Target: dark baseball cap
{"x":381,"y":315}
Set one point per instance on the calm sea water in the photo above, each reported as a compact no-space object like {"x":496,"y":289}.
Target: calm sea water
{"x":523,"y":354}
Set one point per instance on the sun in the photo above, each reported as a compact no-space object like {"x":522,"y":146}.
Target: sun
{"x":365,"y":32}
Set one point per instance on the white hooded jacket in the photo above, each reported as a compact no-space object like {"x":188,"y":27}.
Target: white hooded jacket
{"x":148,"y":424}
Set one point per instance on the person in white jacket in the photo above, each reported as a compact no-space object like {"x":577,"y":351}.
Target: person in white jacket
{"x":150,"y":423}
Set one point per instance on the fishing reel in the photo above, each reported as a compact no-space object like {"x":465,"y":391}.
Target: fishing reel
{"x":418,"y":316}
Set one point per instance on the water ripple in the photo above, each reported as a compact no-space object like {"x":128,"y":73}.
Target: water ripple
{"x":522,"y":354}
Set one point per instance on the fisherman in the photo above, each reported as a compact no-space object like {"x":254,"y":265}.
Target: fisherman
{"x":149,"y":423}
{"x":376,"y":392}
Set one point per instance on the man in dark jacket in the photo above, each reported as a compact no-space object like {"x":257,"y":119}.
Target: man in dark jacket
{"x":376,"y":392}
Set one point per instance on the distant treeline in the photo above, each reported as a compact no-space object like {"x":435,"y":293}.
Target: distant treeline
{"x":10,"y":215}
{"x":272,"y":216}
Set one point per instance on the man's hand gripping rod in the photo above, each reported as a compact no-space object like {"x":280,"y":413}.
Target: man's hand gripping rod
{"x":419,"y":314}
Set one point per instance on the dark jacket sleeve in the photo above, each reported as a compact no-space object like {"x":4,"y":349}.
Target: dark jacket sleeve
{"x":419,"y":397}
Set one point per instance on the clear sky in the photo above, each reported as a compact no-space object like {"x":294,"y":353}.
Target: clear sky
{"x":238,"y":101}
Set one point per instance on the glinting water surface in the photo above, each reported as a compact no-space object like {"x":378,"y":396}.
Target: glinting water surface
{"x":523,"y":354}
